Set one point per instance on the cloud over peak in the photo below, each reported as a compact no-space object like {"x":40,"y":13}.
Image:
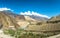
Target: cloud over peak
{"x":3,"y":9}
{"x":33,"y":13}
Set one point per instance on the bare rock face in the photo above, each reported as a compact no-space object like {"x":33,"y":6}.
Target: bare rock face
{"x":20,"y":17}
{"x":13,"y":15}
{"x":7,"y":21}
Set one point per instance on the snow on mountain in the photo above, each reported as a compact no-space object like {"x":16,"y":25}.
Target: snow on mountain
{"x":34,"y":13}
{"x":4,"y":9}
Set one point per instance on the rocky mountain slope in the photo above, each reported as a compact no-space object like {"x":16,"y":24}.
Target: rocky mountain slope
{"x":38,"y":18}
{"x":13,"y":15}
{"x":52,"y":24}
{"x":7,"y":20}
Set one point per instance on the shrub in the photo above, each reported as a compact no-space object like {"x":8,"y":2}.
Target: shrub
{"x":10,"y":31}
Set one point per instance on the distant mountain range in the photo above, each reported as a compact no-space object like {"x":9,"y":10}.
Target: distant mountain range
{"x":38,"y":18}
{"x":35,"y":17}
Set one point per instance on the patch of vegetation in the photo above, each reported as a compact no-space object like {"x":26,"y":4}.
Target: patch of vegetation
{"x":10,"y":31}
{"x":20,"y":33}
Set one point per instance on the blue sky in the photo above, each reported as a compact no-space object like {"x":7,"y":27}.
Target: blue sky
{"x":46,"y":7}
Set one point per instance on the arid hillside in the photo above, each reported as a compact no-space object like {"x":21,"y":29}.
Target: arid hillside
{"x":7,"y":21}
{"x":51,"y":25}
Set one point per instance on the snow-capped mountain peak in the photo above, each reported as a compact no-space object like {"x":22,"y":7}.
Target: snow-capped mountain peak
{"x":34,"y":13}
{"x":4,"y":9}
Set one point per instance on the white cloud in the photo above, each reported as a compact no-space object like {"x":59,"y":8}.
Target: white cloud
{"x":3,"y":9}
{"x":33,"y":13}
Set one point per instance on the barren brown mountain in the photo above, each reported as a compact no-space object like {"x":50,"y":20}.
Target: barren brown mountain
{"x":51,"y":25}
{"x":7,"y":21}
